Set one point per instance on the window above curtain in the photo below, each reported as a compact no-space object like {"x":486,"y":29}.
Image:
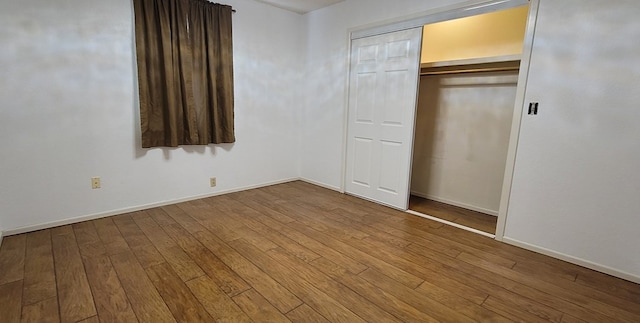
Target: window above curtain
{"x":184,"y":53}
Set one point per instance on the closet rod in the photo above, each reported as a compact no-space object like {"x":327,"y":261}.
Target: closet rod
{"x":475,"y":70}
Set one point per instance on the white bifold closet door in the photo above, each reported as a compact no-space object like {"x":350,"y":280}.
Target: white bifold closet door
{"x":382,"y":103}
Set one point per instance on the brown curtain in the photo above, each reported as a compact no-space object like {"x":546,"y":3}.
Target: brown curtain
{"x":185,"y":72}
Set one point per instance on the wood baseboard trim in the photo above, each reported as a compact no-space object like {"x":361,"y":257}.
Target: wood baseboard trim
{"x":574,"y":260}
{"x":94,"y":216}
{"x":455,"y":203}
{"x":459,"y":226}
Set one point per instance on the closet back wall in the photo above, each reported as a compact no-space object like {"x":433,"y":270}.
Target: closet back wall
{"x":461,"y":139}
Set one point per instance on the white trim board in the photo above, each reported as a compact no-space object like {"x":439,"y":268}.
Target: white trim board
{"x":573,"y":260}
{"x":94,"y":216}
{"x":512,"y":151}
{"x":1,"y":237}
{"x":456,"y":203}
{"x":460,"y":10}
{"x":459,"y":226}
{"x":345,"y":119}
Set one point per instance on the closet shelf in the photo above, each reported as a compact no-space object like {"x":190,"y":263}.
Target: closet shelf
{"x":484,"y":64}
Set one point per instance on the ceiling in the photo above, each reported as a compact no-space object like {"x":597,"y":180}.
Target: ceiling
{"x":300,"y":6}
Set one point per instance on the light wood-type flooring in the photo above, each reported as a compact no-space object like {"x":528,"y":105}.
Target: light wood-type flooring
{"x":472,"y":219}
{"x":292,"y":252}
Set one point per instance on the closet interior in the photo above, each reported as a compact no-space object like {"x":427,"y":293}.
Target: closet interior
{"x":469,"y":75}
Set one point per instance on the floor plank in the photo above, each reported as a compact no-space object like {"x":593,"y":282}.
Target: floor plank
{"x":279,"y":296}
{"x":88,"y":240}
{"x":358,"y":304}
{"x":93,"y":319}
{"x":309,"y":293}
{"x":148,"y":255}
{"x":577,"y":294}
{"x":191,"y":260}
{"x":176,"y":212}
{"x":44,"y":311}
{"x":249,"y":216}
{"x":305,"y":314}
{"x":11,"y":301}
{"x":12,"y":254}
{"x":39,"y":272}
{"x":110,"y":298}
{"x":130,"y":231}
{"x":110,"y":236}
{"x":453,"y":311}
{"x":161,"y":217}
{"x":292,"y":252}
{"x":314,"y":245}
{"x":145,"y":300}
{"x":74,"y":293}
{"x":361,"y":256}
{"x":513,"y":312}
{"x":258,"y":308}
{"x":183,"y":265}
{"x":390,"y":303}
{"x":184,"y":306}
{"x":216,"y":301}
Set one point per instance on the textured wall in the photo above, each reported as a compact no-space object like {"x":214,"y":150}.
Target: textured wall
{"x":69,"y":112}
{"x":576,"y":182}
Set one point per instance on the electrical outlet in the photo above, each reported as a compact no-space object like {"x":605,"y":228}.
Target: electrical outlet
{"x":212,"y":181}
{"x":95,"y":182}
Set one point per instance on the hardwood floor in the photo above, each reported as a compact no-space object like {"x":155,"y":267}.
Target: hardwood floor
{"x":472,"y":219}
{"x":292,"y":252}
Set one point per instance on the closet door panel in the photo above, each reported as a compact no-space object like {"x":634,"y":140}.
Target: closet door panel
{"x":382,"y":101}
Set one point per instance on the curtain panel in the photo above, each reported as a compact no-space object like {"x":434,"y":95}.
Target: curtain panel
{"x":185,"y":72}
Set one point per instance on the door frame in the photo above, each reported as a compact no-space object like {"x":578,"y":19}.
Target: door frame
{"x":518,"y":113}
{"x":461,"y":10}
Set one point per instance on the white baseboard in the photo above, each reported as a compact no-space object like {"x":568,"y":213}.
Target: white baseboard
{"x":1,"y":236}
{"x":327,"y":186}
{"x":574,"y":260}
{"x":94,"y":216}
{"x":455,"y":203}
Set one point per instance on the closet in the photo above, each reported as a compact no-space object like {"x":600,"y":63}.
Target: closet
{"x":469,"y":74}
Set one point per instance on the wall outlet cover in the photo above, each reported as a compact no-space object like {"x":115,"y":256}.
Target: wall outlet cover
{"x":95,"y":182}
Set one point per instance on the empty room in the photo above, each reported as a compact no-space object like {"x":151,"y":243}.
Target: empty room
{"x":259,"y":161}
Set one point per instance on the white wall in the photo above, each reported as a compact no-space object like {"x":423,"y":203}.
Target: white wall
{"x":69,"y":112}
{"x":462,"y":134}
{"x":576,"y":184}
